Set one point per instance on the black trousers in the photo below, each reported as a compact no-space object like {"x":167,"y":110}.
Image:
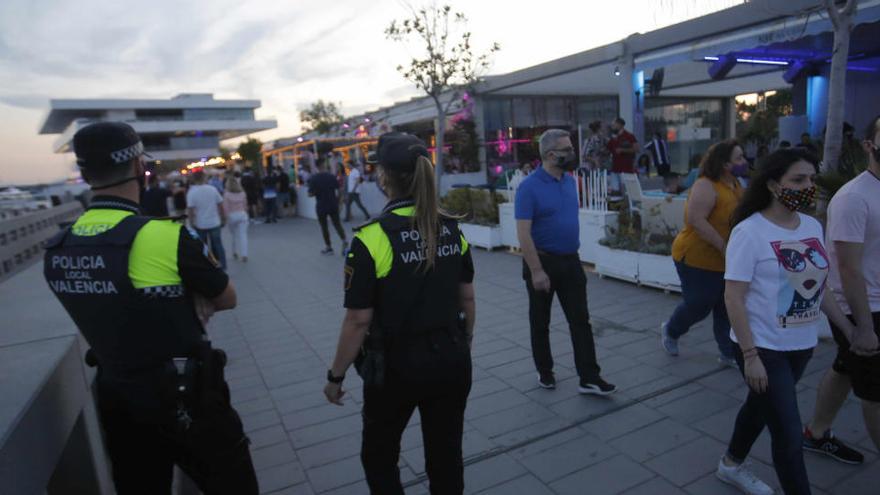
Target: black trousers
{"x":355,"y":198}
{"x":214,"y":452}
{"x":438,"y":385}
{"x":334,"y":217}
{"x":569,"y":283}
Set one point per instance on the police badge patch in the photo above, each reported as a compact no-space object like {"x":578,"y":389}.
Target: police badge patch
{"x":349,"y":272}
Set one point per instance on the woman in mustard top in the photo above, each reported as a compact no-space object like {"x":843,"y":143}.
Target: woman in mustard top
{"x":698,"y":250}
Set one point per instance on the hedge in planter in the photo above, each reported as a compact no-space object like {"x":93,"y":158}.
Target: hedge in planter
{"x":477,"y":206}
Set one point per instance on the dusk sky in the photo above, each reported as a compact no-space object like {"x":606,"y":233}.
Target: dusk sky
{"x":285,"y":53}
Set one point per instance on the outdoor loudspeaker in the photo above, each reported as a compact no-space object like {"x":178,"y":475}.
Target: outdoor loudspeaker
{"x":655,"y":84}
{"x":720,"y":68}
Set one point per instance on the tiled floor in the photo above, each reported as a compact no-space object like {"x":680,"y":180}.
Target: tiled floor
{"x":661,"y":434}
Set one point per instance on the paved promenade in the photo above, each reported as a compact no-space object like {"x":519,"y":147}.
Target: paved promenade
{"x":661,"y":434}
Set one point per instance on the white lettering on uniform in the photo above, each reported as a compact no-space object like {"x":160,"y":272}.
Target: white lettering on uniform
{"x":78,"y":262}
{"x":83,"y":287}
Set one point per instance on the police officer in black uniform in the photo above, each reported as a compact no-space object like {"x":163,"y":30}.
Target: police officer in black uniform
{"x":409,"y":302}
{"x":139,"y":289}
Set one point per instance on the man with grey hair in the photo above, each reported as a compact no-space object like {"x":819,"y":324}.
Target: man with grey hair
{"x":547,"y":227}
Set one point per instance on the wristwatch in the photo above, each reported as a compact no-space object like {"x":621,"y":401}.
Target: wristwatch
{"x":334,"y":379}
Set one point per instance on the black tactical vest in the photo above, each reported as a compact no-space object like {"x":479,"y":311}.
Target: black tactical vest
{"x":411,"y":300}
{"x":130,"y":331}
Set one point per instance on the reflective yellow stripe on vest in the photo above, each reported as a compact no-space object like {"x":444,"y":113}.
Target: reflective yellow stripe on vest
{"x":152,"y":261}
{"x":379,"y":246}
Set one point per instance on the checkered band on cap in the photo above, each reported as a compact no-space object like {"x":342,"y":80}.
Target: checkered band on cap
{"x":125,"y":155}
{"x":165,"y":291}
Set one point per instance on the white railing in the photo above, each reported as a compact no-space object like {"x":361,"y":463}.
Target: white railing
{"x":594,"y":190}
{"x":513,"y":183}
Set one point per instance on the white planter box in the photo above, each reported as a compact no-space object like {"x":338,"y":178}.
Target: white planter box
{"x":617,"y":263}
{"x":658,"y":271}
{"x":592,"y":228}
{"x":508,"y":225}
{"x":484,"y":236}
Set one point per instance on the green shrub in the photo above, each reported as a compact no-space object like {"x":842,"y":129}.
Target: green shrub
{"x":473,"y":205}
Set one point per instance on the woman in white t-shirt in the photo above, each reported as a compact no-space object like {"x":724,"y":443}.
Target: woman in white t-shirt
{"x":775,"y":272}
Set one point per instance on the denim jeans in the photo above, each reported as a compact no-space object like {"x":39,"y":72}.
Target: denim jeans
{"x":777,"y":408}
{"x":702,"y":293}
{"x":212,"y":238}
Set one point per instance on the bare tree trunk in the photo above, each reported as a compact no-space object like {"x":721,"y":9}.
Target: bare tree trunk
{"x":843,"y":22}
{"x":439,"y":139}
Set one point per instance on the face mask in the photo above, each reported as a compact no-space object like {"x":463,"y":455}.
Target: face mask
{"x":875,"y":150}
{"x":740,"y":169}
{"x":566,"y":162}
{"x":796,"y":199}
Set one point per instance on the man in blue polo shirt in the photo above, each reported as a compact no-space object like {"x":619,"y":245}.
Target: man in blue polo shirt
{"x":548,"y":232}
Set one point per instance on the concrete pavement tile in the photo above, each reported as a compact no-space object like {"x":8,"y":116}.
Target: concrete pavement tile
{"x":273,"y":455}
{"x":491,"y":472}
{"x":524,"y":485}
{"x":336,"y":474}
{"x":698,"y":406}
{"x":282,"y":476}
{"x":267,"y":436}
{"x":330,"y":451}
{"x":622,"y":422}
{"x":689,"y":462}
{"x":568,"y":457}
{"x":654,"y":439}
{"x":612,"y":476}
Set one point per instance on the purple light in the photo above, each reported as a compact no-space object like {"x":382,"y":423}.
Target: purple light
{"x":345,"y":126}
{"x":367,"y":119}
{"x":299,"y":139}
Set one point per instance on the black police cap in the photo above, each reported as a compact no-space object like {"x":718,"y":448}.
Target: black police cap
{"x":399,"y":151}
{"x":105,"y":144}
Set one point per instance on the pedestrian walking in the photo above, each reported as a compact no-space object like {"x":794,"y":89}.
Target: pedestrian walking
{"x":324,"y":187}
{"x":204,"y":209}
{"x":853,"y":241}
{"x":235,"y":205}
{"x":547,"y":227}
{"x":409,"y":302}
{"x":270,"y":195}
{"x":140,"y":294}
{"x":353,"y":184}
{"x":775,"y":272}
{"x":698,"y":251}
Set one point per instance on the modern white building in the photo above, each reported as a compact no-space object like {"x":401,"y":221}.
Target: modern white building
{"x":176,"y":131}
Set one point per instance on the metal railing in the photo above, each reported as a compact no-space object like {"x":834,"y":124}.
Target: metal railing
{"x":21,"y":236}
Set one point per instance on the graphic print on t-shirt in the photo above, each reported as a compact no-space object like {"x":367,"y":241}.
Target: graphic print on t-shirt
{"x":803,"y":266}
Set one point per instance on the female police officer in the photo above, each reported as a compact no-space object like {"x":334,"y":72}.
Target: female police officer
{"x":408,"y":279}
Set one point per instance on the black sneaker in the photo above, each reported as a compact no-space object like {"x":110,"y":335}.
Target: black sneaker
{"x":596,"y":386}
{"x":832,"y":447}
{"x":547,"y":380}
{"x":327,"y":250}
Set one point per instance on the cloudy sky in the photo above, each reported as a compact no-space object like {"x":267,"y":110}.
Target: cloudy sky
{"x":286,"y":53}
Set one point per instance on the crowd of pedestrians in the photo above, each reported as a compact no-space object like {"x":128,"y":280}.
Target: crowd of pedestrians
{"x":750,"y":254}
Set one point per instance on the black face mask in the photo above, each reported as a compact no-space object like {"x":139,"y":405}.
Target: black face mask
{"x":567,"y":161}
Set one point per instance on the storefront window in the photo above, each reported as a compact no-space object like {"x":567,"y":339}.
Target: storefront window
{"x":690,"y":126}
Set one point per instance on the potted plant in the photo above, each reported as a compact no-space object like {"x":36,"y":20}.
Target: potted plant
{"x":628,"y":253}
{"x":478,"y":210}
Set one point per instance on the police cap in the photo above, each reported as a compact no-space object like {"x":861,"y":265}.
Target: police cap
{"x":105,"y":144}
{"x":398,"y":151}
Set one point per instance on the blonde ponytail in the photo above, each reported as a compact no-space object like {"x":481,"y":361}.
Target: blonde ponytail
{"x":426,"y":219}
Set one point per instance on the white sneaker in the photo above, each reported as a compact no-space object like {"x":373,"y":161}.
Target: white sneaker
{"x":742,"y":478}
